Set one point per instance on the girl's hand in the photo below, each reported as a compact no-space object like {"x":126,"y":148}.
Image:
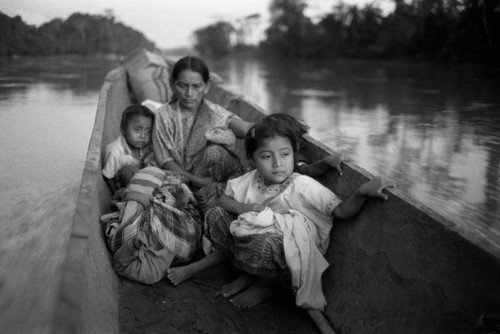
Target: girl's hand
{"x":374,"y":188}
{"x":335,"y":161}
{"x":256,"y":207}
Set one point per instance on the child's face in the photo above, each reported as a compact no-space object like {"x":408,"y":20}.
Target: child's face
{"x":274,"y":160}
{"x":138,"y":131}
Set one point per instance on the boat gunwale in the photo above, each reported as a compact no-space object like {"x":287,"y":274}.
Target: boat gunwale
{"x":69,"y":311}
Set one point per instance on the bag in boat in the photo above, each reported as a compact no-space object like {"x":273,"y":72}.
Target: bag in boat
{"x":148,"y":77}
{"x":146,"y":242}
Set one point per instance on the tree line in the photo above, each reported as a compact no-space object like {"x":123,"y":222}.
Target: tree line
{"x":450,"y":30}
{"x":80,"y":34}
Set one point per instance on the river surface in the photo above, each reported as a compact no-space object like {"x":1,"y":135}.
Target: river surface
{"x":433,"y":129}
{"x":47,"y":110}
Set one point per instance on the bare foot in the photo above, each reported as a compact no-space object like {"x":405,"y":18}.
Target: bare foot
{"x":178,"y":275}
{"x":232,"y":288}
{"x":254,"y":295}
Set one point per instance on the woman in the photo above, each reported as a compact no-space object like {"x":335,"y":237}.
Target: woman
{"x":182,"y":125}
{"x":192,"y":137}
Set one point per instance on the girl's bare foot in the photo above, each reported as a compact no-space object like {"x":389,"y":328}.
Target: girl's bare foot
{"x":254,"y":295}
{"x":239,"y":284}
{"x":178,"y":275}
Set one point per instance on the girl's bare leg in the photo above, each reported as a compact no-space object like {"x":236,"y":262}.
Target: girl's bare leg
{"x":178,"y":275}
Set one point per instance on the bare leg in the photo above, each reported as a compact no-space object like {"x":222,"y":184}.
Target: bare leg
{"x":260,"y":290}
{"x":240,"y":283}
{"x":178,"y":275}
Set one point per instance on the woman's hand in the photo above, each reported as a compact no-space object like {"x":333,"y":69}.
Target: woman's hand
{"x":374,"y":188}
{"x":321,"y":166}
{"x":335,"y":161}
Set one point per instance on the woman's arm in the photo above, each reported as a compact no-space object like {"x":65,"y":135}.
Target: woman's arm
{"x":240,"y":127}
{"x":319,"y":167}
{"x":196,"y":181}
{"x":355,"y":202}
{"x":231,"y":205}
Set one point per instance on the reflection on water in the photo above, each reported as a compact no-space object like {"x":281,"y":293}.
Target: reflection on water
{"x":433,"y":129}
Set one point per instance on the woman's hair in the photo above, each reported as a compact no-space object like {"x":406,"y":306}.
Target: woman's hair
{"x":194,"y":64}
{"x":135,"y":110}
{"x":281,"y":125}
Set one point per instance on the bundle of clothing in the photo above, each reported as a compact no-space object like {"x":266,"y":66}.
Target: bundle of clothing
{"x":157,"y":224}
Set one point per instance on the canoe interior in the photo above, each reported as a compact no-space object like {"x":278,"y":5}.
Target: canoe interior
{"x":397,"y":267}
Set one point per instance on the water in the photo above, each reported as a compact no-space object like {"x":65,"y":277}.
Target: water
{"x":47,"y":109}
{"x":433,"y":129}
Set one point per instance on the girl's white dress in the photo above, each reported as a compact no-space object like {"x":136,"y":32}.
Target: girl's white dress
{"x":300,"y":211}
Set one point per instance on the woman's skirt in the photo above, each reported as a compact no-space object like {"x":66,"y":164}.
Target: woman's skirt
{"x":221,"y":164}
{"x":218,"y":162}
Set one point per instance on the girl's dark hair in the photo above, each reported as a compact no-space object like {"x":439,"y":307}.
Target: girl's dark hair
{"x":194,"y":64}
{"x":273,"y":125}
{"x":135,"y":110}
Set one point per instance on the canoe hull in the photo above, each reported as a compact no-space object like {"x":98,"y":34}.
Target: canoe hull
{"x":397,"y":267}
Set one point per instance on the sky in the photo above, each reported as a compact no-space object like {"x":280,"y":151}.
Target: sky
{"x":168,"y":23}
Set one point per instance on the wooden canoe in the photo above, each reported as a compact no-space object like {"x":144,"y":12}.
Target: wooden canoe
{"x":397,"y":267}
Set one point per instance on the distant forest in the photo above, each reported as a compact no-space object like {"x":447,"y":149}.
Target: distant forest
{"x":80,"y":34}
{"x":445,"y":30}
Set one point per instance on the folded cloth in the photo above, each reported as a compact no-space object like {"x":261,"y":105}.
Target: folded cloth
{"x":221,"y":136}
{"x":254,"y":223}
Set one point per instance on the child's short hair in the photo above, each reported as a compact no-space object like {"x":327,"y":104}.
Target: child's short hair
{"x":273,"y":125}
{"x":135,"y":110}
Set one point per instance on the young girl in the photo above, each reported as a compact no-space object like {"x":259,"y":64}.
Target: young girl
{"x":127,"y":154}
{"x":274,"y":223}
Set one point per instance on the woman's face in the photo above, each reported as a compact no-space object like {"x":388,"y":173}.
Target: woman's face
{"x":189,"y":88}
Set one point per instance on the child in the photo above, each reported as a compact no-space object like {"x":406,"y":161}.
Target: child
{"x":130,"y":151}
{"x":274,"y":223}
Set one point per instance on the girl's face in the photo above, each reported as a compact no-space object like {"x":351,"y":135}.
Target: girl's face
{"x":138,"y":131}
{"x":189,"y":88}
{"x":274,"y":160}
